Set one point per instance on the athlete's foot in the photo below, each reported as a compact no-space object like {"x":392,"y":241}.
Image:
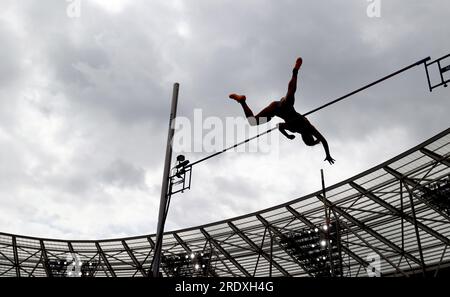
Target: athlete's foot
{"x":238,"y":98}
{"x":298,"y":63}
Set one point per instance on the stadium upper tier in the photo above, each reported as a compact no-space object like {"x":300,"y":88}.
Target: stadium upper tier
{"x":393,"y":220}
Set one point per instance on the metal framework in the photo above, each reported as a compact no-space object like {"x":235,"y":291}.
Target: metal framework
{"x":397,"y":212}
{"x":442,"y":70}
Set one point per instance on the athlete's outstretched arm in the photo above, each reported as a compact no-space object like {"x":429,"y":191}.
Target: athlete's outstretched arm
{"x":324,"y":142}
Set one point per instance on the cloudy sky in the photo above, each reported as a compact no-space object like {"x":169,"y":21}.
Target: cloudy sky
{"x":84,"y":103}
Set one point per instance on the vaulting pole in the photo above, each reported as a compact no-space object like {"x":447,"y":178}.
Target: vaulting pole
{"x":165,"y":184}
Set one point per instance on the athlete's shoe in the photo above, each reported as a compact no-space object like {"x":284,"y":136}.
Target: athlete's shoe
{"x":238,"y":98}
{"x":298,"y":63}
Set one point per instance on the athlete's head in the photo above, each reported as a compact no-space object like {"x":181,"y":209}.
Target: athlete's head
{"x":309,"y":140}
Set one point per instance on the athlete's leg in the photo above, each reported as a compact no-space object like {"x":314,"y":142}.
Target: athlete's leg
{"x":267,"y":113}
{"x":262,"y":117}
{"x":292,"y":87}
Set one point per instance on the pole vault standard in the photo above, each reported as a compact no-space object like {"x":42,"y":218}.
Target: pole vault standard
{"x":165,"y":192}
{"x":328,"y":226}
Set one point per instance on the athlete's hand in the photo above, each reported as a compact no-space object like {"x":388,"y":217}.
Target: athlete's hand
{"x":330,"y":159}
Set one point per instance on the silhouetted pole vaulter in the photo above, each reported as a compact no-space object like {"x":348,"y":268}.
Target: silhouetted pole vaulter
{"x":418,"y":63}
{"x":284,"y":108}
{"x":165,"y":191}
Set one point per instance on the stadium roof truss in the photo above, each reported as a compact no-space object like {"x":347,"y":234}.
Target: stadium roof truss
{"x":393,"y":219}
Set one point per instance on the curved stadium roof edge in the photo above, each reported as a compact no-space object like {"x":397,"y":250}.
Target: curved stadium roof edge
{"x":299,"y":199}
{"x":397,"y":212}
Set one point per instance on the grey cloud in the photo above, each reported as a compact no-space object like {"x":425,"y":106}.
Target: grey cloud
{"x":105,"y":82}
{"x":9,"y":56}
{"x":122,"y":174}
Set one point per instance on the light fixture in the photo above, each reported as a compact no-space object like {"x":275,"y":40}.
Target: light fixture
{"x":316,"y":230}
{"x":323,"y":243}
{"x":196,"y":266}
{"x":192,"y":256}
{"x":325,"y":227}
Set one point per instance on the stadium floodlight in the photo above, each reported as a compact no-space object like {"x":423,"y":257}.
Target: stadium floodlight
{"x":196,"y":266}
{"x":316,"y":230}
{"x":192,"y":256}
{"x":323,"y":243}
{"x":437,"y":195}
{"x":325,"y":227}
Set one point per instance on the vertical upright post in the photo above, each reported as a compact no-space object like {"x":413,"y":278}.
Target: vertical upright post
{"x":416,"y":228}
{"x":271,"y":253}
{"x":428,"y":76}
{"x":165,"y":183}
{"x":340,"y":269}
{"x":327,"y":222}
{"x":441,"y":73}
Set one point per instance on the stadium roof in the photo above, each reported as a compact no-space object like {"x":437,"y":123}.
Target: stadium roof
{"x":393,"y":218}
